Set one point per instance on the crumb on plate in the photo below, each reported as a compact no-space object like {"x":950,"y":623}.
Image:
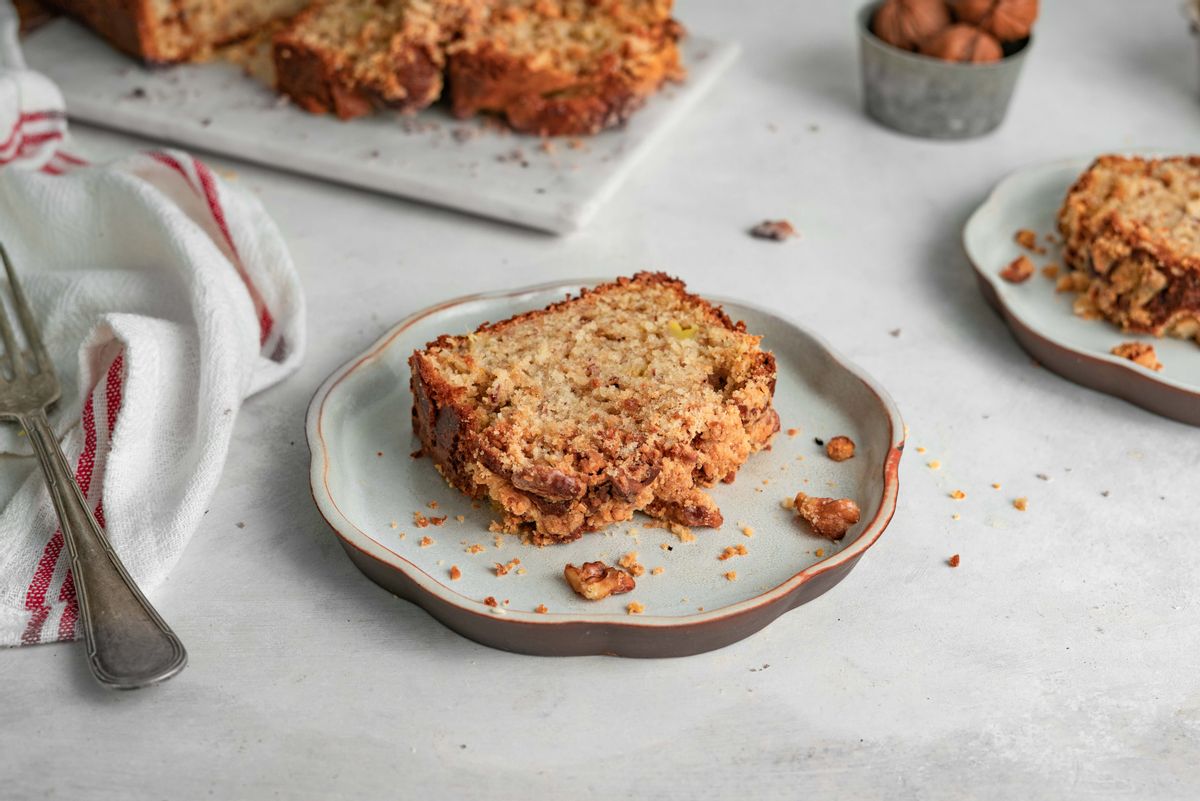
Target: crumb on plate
{"x":1018,"y":271}
{"x":596,"y":580}
{"x":830,"y":518}
{"x":840,"y":448}
{"x":1139,"y":353}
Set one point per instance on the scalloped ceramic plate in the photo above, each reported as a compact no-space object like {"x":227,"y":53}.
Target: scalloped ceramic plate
{"x":368,"y":487}
{"x":1041,"y":319}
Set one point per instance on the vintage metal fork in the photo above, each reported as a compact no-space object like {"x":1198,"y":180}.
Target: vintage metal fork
{"x":128,"y":644}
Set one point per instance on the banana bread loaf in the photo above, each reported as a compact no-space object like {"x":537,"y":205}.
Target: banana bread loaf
{"x":167,"y":31}
{"x":630,"y":397}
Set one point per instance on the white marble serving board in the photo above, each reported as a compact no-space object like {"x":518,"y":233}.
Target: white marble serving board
{"x":429,"y":157}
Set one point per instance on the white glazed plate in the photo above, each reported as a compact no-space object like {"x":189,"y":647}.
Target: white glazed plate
{"x":368,"y":487}
{"x":1042,"y":320}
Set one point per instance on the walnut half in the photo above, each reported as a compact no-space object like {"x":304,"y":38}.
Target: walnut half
{"x":831,"y":518}
{"x":596,"y":580}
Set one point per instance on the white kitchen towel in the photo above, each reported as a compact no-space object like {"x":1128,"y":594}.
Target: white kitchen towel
{"x":166,"y":296}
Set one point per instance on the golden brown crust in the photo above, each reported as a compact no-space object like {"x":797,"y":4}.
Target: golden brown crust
{"x":167,"y":33}
{"x":127,"y":24}
{"x":1131,"y":230}
{"x":553,"y":90}
{"x":400,"y":71}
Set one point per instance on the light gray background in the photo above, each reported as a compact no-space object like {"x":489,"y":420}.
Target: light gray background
{"x":1059,"y":660}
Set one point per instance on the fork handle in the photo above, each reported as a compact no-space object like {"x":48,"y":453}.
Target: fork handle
{"x":128,"y":644}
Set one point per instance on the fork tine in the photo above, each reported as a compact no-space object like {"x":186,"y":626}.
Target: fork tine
{"x":32,"y":334}
{"x":6,"y":332}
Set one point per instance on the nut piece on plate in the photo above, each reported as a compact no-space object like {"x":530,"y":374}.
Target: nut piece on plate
{"x":964,"y":43}
{"x":831,"y":518}
{"x":1139,"y":353}
{"x":596,"y":580}
{"x":1007,"y":20}
{"x":777,"y":230}
{"x":908,"y":23}
{"x":839,"y":449}
{"x":1019,"y":271}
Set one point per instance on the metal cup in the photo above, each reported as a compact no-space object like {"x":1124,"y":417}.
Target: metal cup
{"x":929,"y":97}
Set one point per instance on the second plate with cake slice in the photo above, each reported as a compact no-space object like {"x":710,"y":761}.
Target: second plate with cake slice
{"x":1061,"y":325}
{"x":696,"y":589}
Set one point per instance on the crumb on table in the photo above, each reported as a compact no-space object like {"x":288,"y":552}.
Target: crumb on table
{"x":954,"y":560}
{"x":1021,"y":504}
{"x":658,"y":571}
{"x":541,"y":609}
{"x":455,"y":573}
{"x":490,"y":601}
{"x":776,"y":230}
{"x":425,"y":542}
{"x":958,"y":495}
{"x":635,"y":608}
{"x":731,"y":575}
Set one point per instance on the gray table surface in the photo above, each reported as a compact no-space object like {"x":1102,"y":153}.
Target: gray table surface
{"x":1058,"y":661}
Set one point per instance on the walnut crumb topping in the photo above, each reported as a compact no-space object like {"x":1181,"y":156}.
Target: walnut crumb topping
{"x":596,"y":580}
{"x":828,"y":517}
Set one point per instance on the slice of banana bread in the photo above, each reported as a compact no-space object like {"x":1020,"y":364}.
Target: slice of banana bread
{"x":350,"y":57}
{"x":565,"y":67}
{"x":168,"y":31}
{"x":630,"y":397}
{"x":1132,"y":227}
